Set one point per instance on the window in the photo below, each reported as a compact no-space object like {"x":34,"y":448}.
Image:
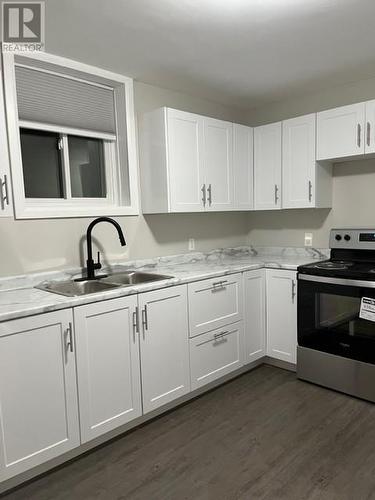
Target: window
{"x":72,"y":138}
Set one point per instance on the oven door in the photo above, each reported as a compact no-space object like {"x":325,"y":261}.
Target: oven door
{"x":328,"y":317}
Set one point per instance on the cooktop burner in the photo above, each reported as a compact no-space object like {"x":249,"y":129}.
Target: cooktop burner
{"x":334,"y":265}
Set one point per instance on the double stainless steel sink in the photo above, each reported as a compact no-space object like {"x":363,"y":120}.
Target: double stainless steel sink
{"x":72,"y":288}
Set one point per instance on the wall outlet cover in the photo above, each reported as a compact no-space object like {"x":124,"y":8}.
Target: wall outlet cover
{"x":308,"y":239}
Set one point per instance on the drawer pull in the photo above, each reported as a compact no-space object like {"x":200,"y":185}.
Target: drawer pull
{"x":221,"y":334}
{"x":219,"y":285}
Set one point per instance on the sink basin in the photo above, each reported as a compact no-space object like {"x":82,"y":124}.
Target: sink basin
{"x":133,"y":278}
{"x":77,"y":288}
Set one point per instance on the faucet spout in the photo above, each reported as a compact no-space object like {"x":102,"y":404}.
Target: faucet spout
{"x":91,"y":265}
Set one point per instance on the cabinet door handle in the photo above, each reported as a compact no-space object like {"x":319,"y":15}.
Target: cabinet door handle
{"x":69,"y":334}
{"x":359,"y":135}
{"x":204,"y":199}
{"x":135,"y":322}
{"x":209,"y":191}
{"x":293,"y":290}
{"x":368,"y":133}
{"x":276,"y":194}
{"x":144,"y":318}
{"x":4,"y":194}
{"x":310,"y":191}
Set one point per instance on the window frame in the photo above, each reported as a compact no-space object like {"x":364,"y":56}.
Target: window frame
{"x":115,"y":203}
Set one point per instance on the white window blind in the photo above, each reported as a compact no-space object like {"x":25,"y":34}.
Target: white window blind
{"x":56,"y":100}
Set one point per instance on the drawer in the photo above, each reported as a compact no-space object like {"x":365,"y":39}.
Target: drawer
{"x":215,"y":354}
{"x":214,"y":303}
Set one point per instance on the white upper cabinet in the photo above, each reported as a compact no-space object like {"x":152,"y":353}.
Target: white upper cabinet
{"x":218,"y":164}
{"x":189,"y":163}
{"x":164,"y":346}
{"x":267,"y":166}
{"x":243,"y":167}
{"x":6,"y":206}
{"x":298,"y":159}
{"x":107,"y":365}
{"x":185,"y":161}
{"x":341,"y":132}
{"x":282,"y":314}
{"x":38,"y":391}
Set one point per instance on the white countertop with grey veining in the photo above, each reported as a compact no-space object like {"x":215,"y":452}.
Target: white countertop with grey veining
{"x":19,"y":298}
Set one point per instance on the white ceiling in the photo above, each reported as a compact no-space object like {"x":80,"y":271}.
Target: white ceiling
{"x":239,"y":52}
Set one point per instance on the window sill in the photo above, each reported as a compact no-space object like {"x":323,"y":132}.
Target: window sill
{"x":73,"y":212}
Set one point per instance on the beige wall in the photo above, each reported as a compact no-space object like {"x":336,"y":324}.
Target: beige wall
{"x":28,"y":246}
{"x":353,"y":182}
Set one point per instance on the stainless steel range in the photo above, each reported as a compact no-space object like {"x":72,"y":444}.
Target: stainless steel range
{"x":336,"y":316}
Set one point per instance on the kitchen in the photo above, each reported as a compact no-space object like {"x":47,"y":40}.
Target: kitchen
{"x":204,"y":195}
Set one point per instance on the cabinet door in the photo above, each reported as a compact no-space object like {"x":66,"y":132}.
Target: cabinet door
{"x":107,"y":365}
{"x":38,"y":395}
{"x":214,"y":303}
{"x":185,"y":161}
{"x":370,"y":127}
{"x":243,"y":167}
{"x":218,"y":164}
{"x":164,"y":346}
{"x":267,"y":166}
{"x":299,"y":162}
{"x":255,"y":315}
{"x":215,"y":354}
{"x":340,"y":132}
{"x":282,"y":315}
{"x":6,"y":207}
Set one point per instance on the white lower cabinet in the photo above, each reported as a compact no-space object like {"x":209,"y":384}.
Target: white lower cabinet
{"x":108,"y":371}
{"x":164,"y":346}
{"x":254,"y":315}
{"x":282,"y":314}
{"x":38,"y":392}
{"x":215,"y":354}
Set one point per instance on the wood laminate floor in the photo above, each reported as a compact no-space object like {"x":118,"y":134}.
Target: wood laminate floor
{"x":264,"y":435}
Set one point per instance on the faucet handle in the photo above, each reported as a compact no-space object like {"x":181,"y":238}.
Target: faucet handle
{"x":98,"y":265}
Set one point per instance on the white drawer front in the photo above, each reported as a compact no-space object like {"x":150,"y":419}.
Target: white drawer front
{"x":214,"y":303}
{"x":215,"y":354}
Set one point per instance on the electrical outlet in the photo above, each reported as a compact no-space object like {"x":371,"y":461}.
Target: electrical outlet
{"x":191,"y":244}
{"x":308,"y":239}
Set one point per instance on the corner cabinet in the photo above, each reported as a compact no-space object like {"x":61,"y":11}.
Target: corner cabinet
{"x":306,"y":183}
{"x":281,"y":314}
{"x":243,"y":167}
{"x":38,"y":392}
{"x":254,"y":284}
{"x":267,"y":167}
{"x":108,"y":372}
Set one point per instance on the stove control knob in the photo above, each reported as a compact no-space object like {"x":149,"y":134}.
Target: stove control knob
{"x":338,"y":237}
{"x":347,"y":237}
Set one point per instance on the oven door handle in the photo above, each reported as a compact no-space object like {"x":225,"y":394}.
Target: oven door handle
{"x":337,"y":281}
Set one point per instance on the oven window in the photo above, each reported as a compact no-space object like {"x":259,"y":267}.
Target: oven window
{"x":341,"y":314}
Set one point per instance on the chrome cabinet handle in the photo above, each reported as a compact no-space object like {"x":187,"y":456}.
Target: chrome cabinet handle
{"x":220,"y":336}
{"x":69,"y":333}
{"x":135,"y":322}
{"x":276,"y":194}
{"x":219,"y":285}
{"x":293,"y":290}
{"x":144,"y":318}
{"x":359,"y":135}
{"x":310,"y":191}
{"x":209,"y":191}
{"x":4,"y":194}
{"x":204,"y":195}
{"x":368,"y":133}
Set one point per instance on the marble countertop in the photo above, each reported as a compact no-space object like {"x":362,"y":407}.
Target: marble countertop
{"x":19,"y":298}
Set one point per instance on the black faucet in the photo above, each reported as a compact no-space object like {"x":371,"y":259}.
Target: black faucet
{"x":91,"y":265}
